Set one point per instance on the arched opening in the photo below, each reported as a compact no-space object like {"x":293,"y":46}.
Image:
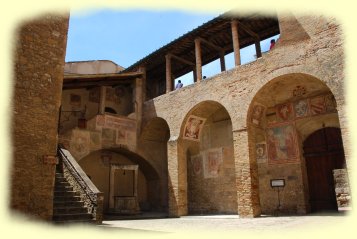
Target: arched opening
{"x":283,"y":113}
{"x":153,"y":143}
{"x":121,"y":183}
{"x":323,"y":152}
{"x":110,"y":110}
{"x":208,"y":142}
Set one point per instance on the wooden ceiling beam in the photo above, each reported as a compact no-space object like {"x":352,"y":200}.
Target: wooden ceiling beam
{"x":248,"y":30}
{"x":210,"y":44}
{"x":187,"y":62}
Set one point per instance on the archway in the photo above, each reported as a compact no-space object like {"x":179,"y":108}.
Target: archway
{"x":153,"y":145}
{"x":207,"y":139}
{"x":98,"y":165}
{"x":282,"y":114}
{"x":323,"y":152}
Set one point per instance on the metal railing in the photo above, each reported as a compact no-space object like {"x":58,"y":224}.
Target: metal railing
{"x":78,"y":179}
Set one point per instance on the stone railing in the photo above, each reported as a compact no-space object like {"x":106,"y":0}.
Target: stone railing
{"x":78,"y":179}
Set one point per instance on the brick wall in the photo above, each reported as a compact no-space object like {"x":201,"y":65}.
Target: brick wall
{"x":315,"y":51}
{"x":38,"y":74}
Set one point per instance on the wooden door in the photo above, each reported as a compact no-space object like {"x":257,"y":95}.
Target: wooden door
{"x":323,"y":152}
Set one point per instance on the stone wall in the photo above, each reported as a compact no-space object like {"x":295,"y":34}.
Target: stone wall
{"x":38,"y":75}
{"x":342,"y":189}
{"x":310,"y":46}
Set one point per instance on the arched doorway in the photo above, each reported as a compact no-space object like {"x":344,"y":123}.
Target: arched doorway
{"x":283,"y":113}
{"x":323,"y":152}
{"x":132,"y":176}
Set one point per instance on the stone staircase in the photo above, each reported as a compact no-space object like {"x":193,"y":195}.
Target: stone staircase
{"x":67,"y":204}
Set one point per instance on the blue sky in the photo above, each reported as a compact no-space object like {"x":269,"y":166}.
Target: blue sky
{"x":127,"y":36}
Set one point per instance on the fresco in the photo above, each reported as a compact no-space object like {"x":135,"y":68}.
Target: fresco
{"x":330,"y":103}
{"x":95,"y":140}
{"x":261,"y":154}
{"x":257,"y":114}
{"x":80,"y":144}
{"x":282,"y":144}
{"x":301,"y":108}
{"x":75,"y":101}
{"x":196,"y":164}
{"x":284,"y":112}
{"x":193,"y":128}
{"x":94,"y":95}
{"x":317,"y":105}
{"x":212,"y":162}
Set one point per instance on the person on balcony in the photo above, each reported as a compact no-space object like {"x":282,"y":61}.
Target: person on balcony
{"x":178,"y":85}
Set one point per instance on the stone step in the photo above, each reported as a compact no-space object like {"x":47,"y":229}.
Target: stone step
{"x":65,"y":193}
{"x":72,"y":216}
{"x":68,"y":203}
{"x":69,"y":210}
{"x":67,"y":198}
{"x":62,"y":184}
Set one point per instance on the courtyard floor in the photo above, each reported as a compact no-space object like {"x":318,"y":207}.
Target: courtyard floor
{"x":276,"y":226}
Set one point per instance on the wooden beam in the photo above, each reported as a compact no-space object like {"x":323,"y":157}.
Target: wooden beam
{"x":168,"y":73}
{"x":222,"y":60}
{"x":218,"y":48}
{"x":99,"y":76}
{"x":235,"y":39}
{"x":84,"y":84}
{"x":248,"y":30}
{"x":198,"y":59}
{"x":182,"y":60}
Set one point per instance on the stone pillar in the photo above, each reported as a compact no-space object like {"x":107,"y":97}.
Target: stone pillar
{"x":138,"y":104}
{"x":168,"y":74}
{"x":235,"y":39}
{"x":38,"y":63}
{"x":222,"y":61}
{"x":246,"y":176}
{"x":177,"y":179}
{"x":103,"y":92}
{"x":198,"y":60}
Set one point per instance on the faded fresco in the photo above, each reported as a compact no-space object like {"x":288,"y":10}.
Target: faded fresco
{"x":94,"y":95}
{"x":196,"y":164}
{"x":257,"y":114}
{"x":282,"y":144}
{"x":95,"y":140}
{"x":301,"y":108}
{"x":260,"y":151}
{"x":108,"y":136}
{"x":193,"y":128}
{"x":80,"y":144}
{"x":212,"y":162}
{"x":75,"y":101}
{"x":317,"y":105}
{"x":330,"y":103}
{"x":284,"y":112}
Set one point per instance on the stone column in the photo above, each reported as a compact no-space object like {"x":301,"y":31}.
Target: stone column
{"x":168,"y":74}
{"x":198,"y":59}
{"x":177,"y":179}
{"x":103,"y":92}
{"x":222,"y":60}
{"x":138,"y":104}
{"x":111,"y":187}
{"x":246,"y":176}
{"x":235,"y":39}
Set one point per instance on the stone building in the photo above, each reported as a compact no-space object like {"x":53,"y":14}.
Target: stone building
{"x":261,"y":138}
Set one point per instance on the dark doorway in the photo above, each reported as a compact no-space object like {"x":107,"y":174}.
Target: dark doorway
{"x":323,"y":151}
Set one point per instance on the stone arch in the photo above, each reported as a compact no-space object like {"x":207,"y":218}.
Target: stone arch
{"x":97,"y":167}
{"x":282,"y":113}
{"x":153,"y":145}
{"x":206,"y":162}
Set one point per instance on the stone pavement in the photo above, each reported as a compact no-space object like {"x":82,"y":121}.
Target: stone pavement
{"x":233,"y":224}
